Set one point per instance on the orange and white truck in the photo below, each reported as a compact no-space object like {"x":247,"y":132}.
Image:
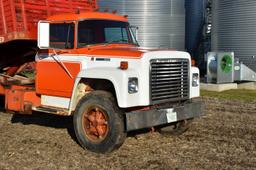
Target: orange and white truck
{"x":89,"y":65}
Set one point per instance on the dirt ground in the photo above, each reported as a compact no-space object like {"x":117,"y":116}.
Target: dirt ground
{"x":223,"y":139}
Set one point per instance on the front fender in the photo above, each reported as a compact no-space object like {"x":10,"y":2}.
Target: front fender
{"x":119,"y":79}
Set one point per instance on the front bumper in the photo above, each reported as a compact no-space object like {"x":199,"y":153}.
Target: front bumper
{"x":155,"y":117}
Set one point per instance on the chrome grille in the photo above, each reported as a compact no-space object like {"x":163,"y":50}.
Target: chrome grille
{"x":169,"y":80}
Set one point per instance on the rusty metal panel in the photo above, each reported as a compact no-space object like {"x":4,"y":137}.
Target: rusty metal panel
{"x":14,"y":100}
{"x":21,"y":99}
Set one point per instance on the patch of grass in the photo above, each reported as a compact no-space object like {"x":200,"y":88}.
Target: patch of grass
{"x":244,"y":95}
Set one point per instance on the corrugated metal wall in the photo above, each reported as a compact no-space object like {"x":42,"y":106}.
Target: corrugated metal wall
{"x":234,"y":29}
{"x":161,"y":22}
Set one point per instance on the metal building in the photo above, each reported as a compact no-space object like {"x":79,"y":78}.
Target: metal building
{"x":234,"y":29}
{"x":161,"y":22}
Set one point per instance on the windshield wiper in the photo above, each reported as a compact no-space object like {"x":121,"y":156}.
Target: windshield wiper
{"x":112,"y":42}
{"x":117,"y":41}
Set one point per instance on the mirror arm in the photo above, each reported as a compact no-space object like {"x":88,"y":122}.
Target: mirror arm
{"x":56,"y":58}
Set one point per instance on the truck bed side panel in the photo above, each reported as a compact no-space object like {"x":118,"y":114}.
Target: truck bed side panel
{"x":18,"y":18}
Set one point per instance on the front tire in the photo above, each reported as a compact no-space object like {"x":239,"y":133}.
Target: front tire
{"x":99,"y":123}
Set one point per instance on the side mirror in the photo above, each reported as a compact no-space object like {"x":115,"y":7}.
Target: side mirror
{"x":135,"y":31}
{"x":43,"y":35}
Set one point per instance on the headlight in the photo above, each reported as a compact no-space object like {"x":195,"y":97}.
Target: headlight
{"x":195,"y":80}
{"x":133,"y":86}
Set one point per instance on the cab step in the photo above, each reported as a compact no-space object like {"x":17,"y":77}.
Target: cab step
{"x":52,"y":110}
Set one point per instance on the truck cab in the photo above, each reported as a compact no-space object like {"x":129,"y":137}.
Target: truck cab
{"x":90,"y":66}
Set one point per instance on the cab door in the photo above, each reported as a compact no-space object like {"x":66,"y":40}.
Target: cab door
{"x":57,"y":70}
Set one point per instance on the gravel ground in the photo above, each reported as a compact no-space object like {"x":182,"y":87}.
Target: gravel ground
{"x":223,"y":139}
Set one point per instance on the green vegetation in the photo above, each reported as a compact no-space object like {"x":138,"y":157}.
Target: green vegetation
{"x":245,"y":95}
{"x":28,"y":74}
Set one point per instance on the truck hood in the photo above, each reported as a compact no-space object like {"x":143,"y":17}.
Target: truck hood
{"x":118,"y":51}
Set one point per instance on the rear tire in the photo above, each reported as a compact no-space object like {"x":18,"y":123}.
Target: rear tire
{"x":99,"y":123}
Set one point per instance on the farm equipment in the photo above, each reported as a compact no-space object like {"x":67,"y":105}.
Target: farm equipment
{"x":65,"y":58}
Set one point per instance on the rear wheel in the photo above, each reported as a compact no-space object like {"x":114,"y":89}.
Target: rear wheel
{"x":99,"y":123}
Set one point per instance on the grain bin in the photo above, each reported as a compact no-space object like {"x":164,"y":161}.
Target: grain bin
{"x":234,"y":29}
{"x":161,"y":22}
{"x":194,"y":24}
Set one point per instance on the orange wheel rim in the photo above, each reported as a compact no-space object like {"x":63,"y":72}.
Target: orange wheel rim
{"x":95,"y":124}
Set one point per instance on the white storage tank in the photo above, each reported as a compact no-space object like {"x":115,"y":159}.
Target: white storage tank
{"x":234,"y":29}
{"x":161,"y":22}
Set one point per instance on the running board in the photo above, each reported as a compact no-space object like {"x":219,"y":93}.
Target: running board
{"x":52,"y":110}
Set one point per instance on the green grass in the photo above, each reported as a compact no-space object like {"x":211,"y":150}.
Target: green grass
{"x":244,"y":95}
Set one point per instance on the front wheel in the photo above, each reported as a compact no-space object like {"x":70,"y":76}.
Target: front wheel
{"x":99,"y":123}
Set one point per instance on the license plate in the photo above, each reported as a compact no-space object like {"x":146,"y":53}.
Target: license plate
{"x":171,"y":115}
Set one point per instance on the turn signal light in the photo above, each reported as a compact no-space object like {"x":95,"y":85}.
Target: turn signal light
{"x":124,"y":65}
{"x":193,"y":62}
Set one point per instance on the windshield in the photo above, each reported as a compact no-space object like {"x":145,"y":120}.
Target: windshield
{"x":92,"y":32}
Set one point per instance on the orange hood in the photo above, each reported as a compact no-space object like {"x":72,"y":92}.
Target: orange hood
{"x":116,"y":51}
